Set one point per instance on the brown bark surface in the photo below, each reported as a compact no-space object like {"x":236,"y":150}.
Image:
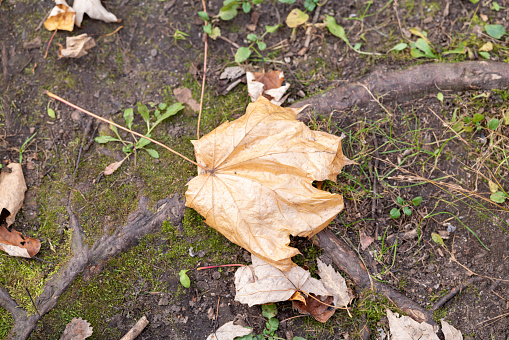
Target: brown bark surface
{"x":407,"y":84}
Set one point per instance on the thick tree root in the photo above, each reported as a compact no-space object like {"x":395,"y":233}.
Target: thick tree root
{"x":407,"y":84}
{"x":349,"y":262}
{"x":139,"y":224}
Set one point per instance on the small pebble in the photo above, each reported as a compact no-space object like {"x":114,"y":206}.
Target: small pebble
{"x":153,"y":52}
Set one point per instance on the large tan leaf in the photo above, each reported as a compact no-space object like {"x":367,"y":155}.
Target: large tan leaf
{"x":94,"y":9}
{"x":335,"y":284}
{"x":61,"y":17}
{"x":262,"y":283}
{"x":12,"y":192}
{"x":229,"y":331}
{"x":258,"y":187}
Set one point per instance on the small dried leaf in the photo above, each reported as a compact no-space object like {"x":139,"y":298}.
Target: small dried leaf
{"x":76,"y":47}
{"x":77,"y":329}
{"x":94,"y":9}
{"x":61,"y":17}
{"x":229,"y":331}
{"x":113,"y":167}
{"x":317,"y":309}
{"x":262,"y":283}
{"x":271,"y":84}
{"x":450,"y":332}
{"x":12,"y":192}
{"x":335,"y":284}
{"x":184,"y":95}
{"x":365,"y":240}
{"x":15,"y":244}
{"x":486,"y":47}
{"x":405,"y":328}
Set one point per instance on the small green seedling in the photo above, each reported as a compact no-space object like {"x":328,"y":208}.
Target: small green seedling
{"x":24,"y":146}
{"x":179,"y":35}
{"x":243,"y":53}
{"x":440,"y":97}
{"x":471,"y":123}
{"x":159,"y":114}
{"x":310,"y":5}
{"x":51,"y":112}
{"x":421,"y":48}
{"x":184,"y":278}
{"x":437,"y":239}
{"x":212,"y":31}
{"x":495,"y":31}
{"x":395,"y":213}
{"x":338,"y":30}
{"x":499,"y":197}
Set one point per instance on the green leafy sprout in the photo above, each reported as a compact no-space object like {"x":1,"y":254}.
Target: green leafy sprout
{"x":159,"y":114}
{"x":243,"y":53}
{"x":395,"y":213}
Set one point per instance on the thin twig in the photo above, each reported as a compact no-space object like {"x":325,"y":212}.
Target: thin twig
{"x":49,"y":43}
{"x":455,"y":291}
{"x":204,"y":75}
{"x":54,"y":96}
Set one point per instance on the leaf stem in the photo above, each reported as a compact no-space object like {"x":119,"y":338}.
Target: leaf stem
{"x":223,"y":265}
{"x":204,"y":76}
{"x":54,"y":96}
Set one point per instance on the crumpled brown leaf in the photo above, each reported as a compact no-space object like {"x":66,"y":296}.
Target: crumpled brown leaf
{"x":258,"y":187}
{"x":77,"y":329}
{"x":405,"y":328}
{"x":94,"y":9}
{"x":335,"y":284}
{"x":271,"y":85}
{"x":184,"y":95}
{"x":320,"y":310}
{"x":12,"y":192}
{"x":229,"y":331}
{"x":262,"y":283}
{"x":15,"y":244}
{"x":76,"y":47}
{"x":61,"y":17}
{"x":111,"y":168}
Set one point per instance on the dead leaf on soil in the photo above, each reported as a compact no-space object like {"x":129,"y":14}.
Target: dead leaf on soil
{"x":258,"y":190}
{"x":365,"y":240}
{"x":76,"y":47}
{"x":450,"y":332}
{"x":405,"y":328}
{"x":319,"y":310}
{"x":12,"y":192}
{"x":229,"y":331}
{"x":61,"y":17}
{"x":184,"y":95}
{"x":262,"y":283}
{"x":94,"y":9}
{"x":77,"y":329}
{"x":296,"y":18}
{"x":15,"y":244}
{"x":335,"y":284}
{"x":271,"y":85}
{"x":111,"y":168}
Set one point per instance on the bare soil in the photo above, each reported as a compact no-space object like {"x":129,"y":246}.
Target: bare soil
{"x":405,"y":146}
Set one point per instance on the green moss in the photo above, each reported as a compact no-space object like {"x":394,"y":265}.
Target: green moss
{"x":6,"y":323}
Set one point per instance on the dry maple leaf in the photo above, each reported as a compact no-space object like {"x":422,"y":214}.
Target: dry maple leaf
{"x":77,"y":329}
{"x":15,"y":244}
{"x":335,"y":284}
{"x":257,"y":189}
{"x":229,"y":331}
{"x":94,"y":9}
{"x":262,"y":283}
{"x":61,"y":17}
{"x":76,"y":47}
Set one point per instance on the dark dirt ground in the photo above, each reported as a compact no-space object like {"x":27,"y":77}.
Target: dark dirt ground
{"x":417,"y":156}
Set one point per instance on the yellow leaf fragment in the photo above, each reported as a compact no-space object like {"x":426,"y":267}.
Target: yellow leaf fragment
{"x":296,"y":18}
{"x":486,"y":47}
{"x":61,"y":17}
{"x":493,"y":186}
{"x":258,"y":190}
{"x":417,"y":32}
{"x":76,"y":47}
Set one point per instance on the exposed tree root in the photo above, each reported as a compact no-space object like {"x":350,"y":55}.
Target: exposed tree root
{"x":407,"y":84}
{"x":139,"y":223}
{"x":349,"y":262}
